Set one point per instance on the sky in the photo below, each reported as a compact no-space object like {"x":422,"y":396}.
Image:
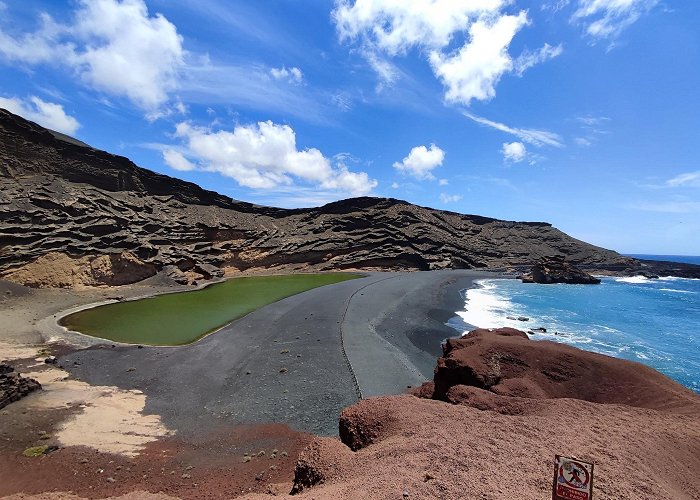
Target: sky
{"x":581,"y":113}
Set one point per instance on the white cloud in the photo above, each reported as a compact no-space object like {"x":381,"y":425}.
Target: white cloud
{"x":176,"y":160}
{"x":421,"y":161}
{"x":689,"y":179}
{"x":583,"y":142}
{"x":475,"y":69}
{"x":114,"y":46}
{"x":46,"y":114}
{"x":386,"y":71}
{"x":608,"y":18}
{"x":265,"y":156}
{"x":395,"y":185}
{"x":431,"y":26}
{"x":555,"y":6}
{"x":514,"y":151}
{"x":291,"y":75}
{"x":592,"y":121}
{"x":443,"y":182}
{"x":528,"y":59}
{"x":450,"y":198}
{"x":531,"y":136}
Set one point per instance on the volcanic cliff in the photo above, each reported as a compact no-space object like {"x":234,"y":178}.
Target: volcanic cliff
{"x":71,"y":215}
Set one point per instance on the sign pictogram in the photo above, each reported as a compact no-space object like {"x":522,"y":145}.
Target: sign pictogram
{"x":573,"y":479}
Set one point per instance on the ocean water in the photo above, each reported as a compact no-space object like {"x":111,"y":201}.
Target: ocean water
{"x":686,"y":259}
{"x":655,"y":322}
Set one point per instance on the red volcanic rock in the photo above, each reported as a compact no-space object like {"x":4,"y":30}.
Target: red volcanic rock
{"x":498,"y":439}
{"x":505,"y":448}
{"x":359,"y":426}
{"x":506,"y":362}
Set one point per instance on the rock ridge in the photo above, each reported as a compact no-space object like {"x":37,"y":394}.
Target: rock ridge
{"x":60,"y":196}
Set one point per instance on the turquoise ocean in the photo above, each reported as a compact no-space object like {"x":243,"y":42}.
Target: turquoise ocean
{"x":655,"y":322}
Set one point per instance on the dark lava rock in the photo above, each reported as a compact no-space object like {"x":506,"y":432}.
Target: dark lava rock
{"x":504,"y":361}
{"x":13,"y":387}
{"x":58,"y":195}
{"x":556,"y":270}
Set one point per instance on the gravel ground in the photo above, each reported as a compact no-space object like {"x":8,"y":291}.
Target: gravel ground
{"x":285,"y":363}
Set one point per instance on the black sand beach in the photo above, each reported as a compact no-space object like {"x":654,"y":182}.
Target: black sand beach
{"x":298,"y":361}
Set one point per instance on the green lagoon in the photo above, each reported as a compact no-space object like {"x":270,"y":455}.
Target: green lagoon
{"x":182,"y":318}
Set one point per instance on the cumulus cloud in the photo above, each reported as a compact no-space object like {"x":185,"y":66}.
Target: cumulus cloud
{"x":475,"y":69}
{"x":531,"y":136}
{"x":431,"y":26}
{"x":264,"y":156}
{"x":608,"y":18}
{"x":421,"y":161}
{"x":443,"y":182}
{"x":114,"y":46}
{"x":514,"y":151}
{"x":47,"y":114}
{"x":291,"y":75}
{"x":449,"y":198}
{"x":688,"y":179}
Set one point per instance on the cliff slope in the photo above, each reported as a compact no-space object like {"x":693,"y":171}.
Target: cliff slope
{"x":72,"y":215}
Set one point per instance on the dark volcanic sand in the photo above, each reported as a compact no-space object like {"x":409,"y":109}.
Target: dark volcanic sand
{"x":284,"y":363}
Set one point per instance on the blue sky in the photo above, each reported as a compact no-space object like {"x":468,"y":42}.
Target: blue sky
{"x":582,"y":113}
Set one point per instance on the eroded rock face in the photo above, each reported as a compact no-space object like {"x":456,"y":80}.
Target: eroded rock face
{"x":510,"y":404}
{"x":14,"y":387}
{"x":63,"y":197}
{"x":556,"y":270}
{"x":58,"y":270}
{"x":505,"y":362}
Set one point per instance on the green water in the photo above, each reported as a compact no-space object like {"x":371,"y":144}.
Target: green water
{"x":182,"y":318}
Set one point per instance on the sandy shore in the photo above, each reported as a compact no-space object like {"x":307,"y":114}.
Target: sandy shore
{"x":297,"y":363}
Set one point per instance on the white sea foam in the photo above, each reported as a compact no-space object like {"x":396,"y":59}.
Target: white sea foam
{"x":486,"y":308}
{"x":673,"y":290}
{"x":633,"y":279}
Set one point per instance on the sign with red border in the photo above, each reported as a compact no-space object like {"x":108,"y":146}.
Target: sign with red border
{"x":573,"y":479}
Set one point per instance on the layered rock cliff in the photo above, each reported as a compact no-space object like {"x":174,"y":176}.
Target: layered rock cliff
{"x":64,"y":206}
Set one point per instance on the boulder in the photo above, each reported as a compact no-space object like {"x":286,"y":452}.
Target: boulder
{"x":556,"y":270}
{"x":13,"y":387}
{"x":506,"y":362}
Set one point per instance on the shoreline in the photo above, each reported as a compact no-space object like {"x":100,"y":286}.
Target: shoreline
{"x":282,"y":363}
{"x":53,"y":331}
{"x":587,"y":325}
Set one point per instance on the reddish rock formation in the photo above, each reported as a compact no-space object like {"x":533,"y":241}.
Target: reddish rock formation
{"x":515,"y":404}
{"x":506,"y":362}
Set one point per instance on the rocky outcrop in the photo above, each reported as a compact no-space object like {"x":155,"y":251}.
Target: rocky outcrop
{"x":60,"y":196}
{"x":506,"y":405}
{"x":14,"y":387}
{"x":556,"y":270}
{"x":506,"y":362}
{"x":57,"y":270}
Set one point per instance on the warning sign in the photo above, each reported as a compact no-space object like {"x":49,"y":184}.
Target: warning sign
{"x":573,"y":479}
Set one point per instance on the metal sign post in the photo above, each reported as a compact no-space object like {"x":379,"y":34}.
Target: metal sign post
{"x":573,"y":479}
